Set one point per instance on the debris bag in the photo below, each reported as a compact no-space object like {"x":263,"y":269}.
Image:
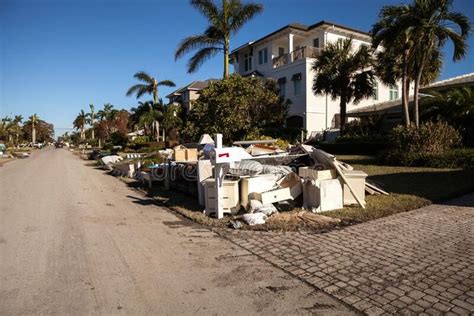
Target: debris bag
{"x":110,"y":159}
{"x":255,"y":218}
{"x":268,"y":209}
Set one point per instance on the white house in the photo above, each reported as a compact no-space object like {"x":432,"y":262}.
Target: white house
{"x":287,"y":56}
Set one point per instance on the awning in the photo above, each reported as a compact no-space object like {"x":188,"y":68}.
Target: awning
{"x":282,"y":80}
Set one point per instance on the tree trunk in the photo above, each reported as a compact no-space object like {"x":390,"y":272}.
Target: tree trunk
{"x":157,"y":126}
{"x":33,"y":133}
{"x":93,"y":134}
{"x":226,"y":57}
{"x":343,"y":114}
{"x":405,"y":89}
{"x":415,"y":97}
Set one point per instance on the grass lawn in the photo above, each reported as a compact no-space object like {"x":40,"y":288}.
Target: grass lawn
{"x":410,"y":188}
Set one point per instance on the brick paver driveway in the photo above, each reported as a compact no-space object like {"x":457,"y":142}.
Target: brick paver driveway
{"x":409,"y":263}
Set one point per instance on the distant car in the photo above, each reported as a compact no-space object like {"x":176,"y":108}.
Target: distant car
{"x":58,"y":145}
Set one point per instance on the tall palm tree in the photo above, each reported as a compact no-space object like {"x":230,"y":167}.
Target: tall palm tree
{"x":7,"y":128}
{"x":431,"y":22}
{"x":149,"y":86}
{"x":345,"y":74}
{"x":17,"y":121}
{"x":107,"y":112}
{"x":91,"y":119}
{"x":416,"y":33}
{"x":33,"y":119}
{"x":393,"y":61}
{"x":80,"y":122}
{"x":224,"y":21}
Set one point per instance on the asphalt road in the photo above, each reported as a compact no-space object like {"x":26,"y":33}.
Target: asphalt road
{"x":74,"y":240}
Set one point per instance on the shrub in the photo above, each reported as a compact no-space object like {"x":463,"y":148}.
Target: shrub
{"x":411,"y":146}
{"x":235,"y":107}
{"x":462,"y":158}
{"x":119,"y":139}
{"x":140,"y":140}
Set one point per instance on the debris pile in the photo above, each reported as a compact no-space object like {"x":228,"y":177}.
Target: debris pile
{"x":255,"y":179}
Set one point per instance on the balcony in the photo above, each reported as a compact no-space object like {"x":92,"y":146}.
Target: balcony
{"x":297,"y":54}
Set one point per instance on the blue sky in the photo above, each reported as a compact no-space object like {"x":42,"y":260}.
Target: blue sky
{"x":57,"y":56}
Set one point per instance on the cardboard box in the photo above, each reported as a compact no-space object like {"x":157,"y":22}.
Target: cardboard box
{"x":307,"y":172}
{"x":291,"y":188}
{"x":182,"y":153}
{"x":191,"y":154}
{"x":179,"y":154}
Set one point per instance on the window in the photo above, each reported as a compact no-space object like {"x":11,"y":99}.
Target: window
{"x":296,"y":83}
{"x":281,"y":51}
{"x":282,"y":87}
{"x":393,"y":92}
{"x":375,"y":96}
{"x":263,"y":56}
{"x":247,"y":62}
{"x":316,"y":42}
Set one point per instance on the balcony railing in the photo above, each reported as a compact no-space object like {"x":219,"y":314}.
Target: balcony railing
{"x":297,"y":54}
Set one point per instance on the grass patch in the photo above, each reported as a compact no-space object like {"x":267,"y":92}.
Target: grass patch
{"x":409,"y":187}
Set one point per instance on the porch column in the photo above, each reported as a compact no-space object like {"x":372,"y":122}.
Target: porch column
{"x":290,"y":47}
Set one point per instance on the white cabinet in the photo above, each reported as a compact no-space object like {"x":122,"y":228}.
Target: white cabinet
{"x":230,"y":193}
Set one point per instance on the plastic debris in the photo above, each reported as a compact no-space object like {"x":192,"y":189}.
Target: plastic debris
{"x":255,"y":218}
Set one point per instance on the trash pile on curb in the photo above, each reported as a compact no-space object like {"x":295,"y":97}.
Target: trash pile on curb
{"x":253,"y":178}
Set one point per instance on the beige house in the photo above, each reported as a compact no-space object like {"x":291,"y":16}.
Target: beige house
{"x":185,"y":95}
{"x":287,"y":55}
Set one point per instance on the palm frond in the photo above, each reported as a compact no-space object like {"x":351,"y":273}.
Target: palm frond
{"x":196,"y":42}
{"x":167,"y":83}
{"x":242,"y":14}
{"x":138,"y":90}
{"x":206,"y":8}
{"x":143,"y":76}
{"x":201,"y":56}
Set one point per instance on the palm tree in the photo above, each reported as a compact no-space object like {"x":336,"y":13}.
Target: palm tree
{"x":107,"y":112}
{"x":149,"y":86}
{"x":224,"y":21}
{"x":17,"y":121}
{"x":91,"y":119}
{"x":7,"y":128}
{"x":344,"y":73}
{"x":80,"y":122}
{"x":33,"y":119}
{"x":416,"y":33}
{"x":393,"y":61}
{"x":431,"y":22}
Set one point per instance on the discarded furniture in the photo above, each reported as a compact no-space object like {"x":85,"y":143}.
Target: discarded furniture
{"x":230,"y":196}
{"x":322,"y":195}
{"x":290,"y":189}
{"x":314,"y":174}
{"x":257,"y":184}
{"x":355,"y":178}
